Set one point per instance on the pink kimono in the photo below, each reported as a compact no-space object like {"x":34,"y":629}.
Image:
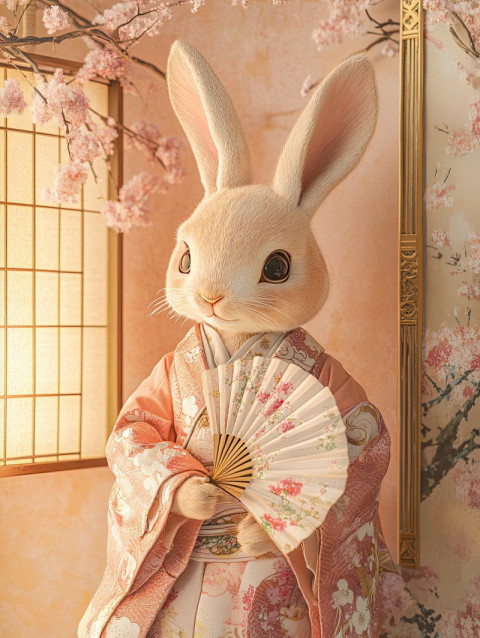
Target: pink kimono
{"x":168,"y":576}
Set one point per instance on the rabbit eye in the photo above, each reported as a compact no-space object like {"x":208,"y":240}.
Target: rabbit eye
{"x":185,"y":261}
{"x":276,"y":268}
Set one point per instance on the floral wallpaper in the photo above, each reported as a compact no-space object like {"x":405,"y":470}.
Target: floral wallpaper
{"x":442,"y":598}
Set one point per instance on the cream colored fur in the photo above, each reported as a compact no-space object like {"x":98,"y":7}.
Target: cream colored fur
{"x":238,"y":224}
{"x":196,"y":498}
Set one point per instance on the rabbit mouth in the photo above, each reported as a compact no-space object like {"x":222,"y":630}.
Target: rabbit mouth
{"x":218,"y":317}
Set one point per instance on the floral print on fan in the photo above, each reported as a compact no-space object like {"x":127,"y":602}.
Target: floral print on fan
{"x":271,"y":524}
{"x":287,"y":487}
{"x":274,"y":399}
{"x":291,"y":507}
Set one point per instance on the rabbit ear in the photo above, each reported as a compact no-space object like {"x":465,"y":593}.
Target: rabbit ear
{"x":330,"y":136}
{"x":208,"y":118}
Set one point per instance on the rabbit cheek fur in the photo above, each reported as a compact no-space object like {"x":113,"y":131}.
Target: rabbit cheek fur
{"x":229,"y":236}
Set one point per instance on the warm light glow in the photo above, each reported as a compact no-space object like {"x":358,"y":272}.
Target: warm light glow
{"x":53,"y":298}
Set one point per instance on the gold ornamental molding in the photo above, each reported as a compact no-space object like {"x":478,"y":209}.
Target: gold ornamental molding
{"x":410,"y":19}
{"x":410,"y":284}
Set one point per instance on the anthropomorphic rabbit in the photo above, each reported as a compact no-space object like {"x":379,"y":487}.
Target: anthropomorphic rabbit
{"x":184,"y":558}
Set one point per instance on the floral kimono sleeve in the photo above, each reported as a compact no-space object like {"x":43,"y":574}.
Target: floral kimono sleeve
{"x":142,"y":453}
{"x":146,"y":550}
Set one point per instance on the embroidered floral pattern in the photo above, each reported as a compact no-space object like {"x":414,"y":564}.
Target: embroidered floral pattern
{"x":223,"y":545}
{"x":189,"y":409}
{"x":154,"y":464}
{"x":343,"y":595}
{"x":122,"y":628}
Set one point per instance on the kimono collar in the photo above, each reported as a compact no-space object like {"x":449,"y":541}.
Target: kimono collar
{"x":265,"y":345}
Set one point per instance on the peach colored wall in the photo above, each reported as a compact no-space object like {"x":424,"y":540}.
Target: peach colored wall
{"x":52,"y":562}
{"x":52,"y":552}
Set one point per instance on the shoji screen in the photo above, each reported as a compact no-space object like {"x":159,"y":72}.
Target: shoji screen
{"x":59,"y":301}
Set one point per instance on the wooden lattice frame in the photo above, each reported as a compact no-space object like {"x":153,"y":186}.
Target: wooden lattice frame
{"x":115,"y":109}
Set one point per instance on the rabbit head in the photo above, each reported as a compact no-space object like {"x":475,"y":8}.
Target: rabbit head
{"x":246,"y":260}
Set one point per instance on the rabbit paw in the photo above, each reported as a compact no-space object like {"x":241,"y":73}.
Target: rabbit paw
{"x":196,"y":498}
{"x":252,"y":539}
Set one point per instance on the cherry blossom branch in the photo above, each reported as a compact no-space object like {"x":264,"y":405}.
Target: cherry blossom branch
{"x":381,"y":28}
{"x":21,"y":16}
{"x":470,"y":48}
{"x":132,"y":134}
{"x":445,"y":393}
{"x":106,"y":159}
{"x":96,"y":35}
{"x":446,"y":454}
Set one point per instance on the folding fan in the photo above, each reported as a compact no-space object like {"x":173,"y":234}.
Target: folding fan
{"x":279,"y":444}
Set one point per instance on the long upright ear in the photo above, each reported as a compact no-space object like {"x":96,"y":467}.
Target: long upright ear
{"x":208,"y":118}
{"x":330,"y":136}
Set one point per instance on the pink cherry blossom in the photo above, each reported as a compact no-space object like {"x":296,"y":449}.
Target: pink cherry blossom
{"x":55,"y":99}
{"x":196,"y":4}
{"x":454,"y":624}
{"x":276,"y":523}
{"x":421,"y":583}
{"x":440,"y":239}
{"x":467,"y":483}
{"x":14,"y":5}
{"x":285,"y":426}
{"x":471,"y":261}
{"x":286,"y":487}
{"x":151,"y":142}
{"x":395,"y":599}
{"x":131,"y":209}
{"x":116,"y":15}
{"x":105,"y":63}
{"x":346,"y":18}
{"x":461,"y":143}
{"x":149,"y":24}
{"x":55,"y":19}
{"x":438,"y":195}
{"x":462,"y":547}
{"x":106,"y":135}
{"x":84,"y":147}
{"x":451,"y":351}
{"x":12,"y":99}
{"x":470,"y":290}
{"x":68,"y":180}
{"x":472,"y":595}
{"x":389,"y":49}
{"x":436,"y":11}
{"x":41,"y":113}
{"x":466,"y":140}
{"x":5,"y":26}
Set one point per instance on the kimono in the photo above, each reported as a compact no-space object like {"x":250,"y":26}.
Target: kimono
{"x":168,"y":576}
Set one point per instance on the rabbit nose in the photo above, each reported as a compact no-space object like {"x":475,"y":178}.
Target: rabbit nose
{"x":211,"y":301}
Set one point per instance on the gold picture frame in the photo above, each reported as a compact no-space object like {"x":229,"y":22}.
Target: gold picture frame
{"x":410,"y":279}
